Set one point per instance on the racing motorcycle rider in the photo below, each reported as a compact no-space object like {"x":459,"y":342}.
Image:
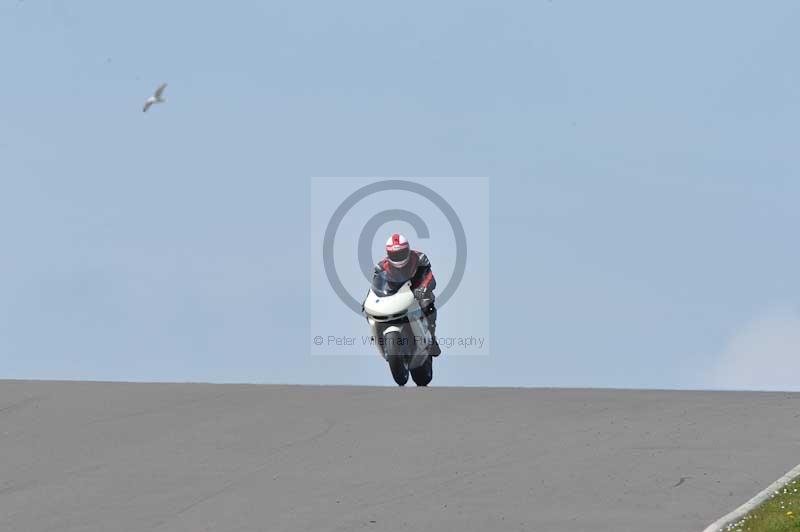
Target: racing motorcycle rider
{"x":403,"y":264}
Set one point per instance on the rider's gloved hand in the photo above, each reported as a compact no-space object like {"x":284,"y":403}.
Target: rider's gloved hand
{"x":421,"y":293}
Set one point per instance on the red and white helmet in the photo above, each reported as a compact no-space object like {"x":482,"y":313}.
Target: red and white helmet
{"x":398,"y":250}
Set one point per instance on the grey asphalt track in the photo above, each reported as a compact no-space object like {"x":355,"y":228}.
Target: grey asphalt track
{"x":233,"y":458}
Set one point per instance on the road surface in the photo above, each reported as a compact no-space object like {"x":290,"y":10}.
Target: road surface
{"x":234,"y":458}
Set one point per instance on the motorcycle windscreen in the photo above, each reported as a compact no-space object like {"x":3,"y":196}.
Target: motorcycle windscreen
{"x":385,"y":287}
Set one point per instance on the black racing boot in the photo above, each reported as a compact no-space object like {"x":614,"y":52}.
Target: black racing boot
{"x":433,"y":350}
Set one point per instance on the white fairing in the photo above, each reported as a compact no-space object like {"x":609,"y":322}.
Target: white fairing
{"x":399,"y":312}
{"x":399,"y":302}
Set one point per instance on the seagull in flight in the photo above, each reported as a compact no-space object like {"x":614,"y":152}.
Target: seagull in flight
{"x":155,"y":98}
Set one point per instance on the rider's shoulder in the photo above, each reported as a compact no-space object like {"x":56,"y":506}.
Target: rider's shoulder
{"x":422,"y":259}
{"x":381,"y":266}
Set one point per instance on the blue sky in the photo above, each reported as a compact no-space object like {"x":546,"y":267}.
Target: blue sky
{"x":643,"y":165}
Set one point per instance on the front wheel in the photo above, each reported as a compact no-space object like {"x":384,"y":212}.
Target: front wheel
{"x":394,"y":356}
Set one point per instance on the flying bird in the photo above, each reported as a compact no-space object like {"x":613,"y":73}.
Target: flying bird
{"x":155,"y":98}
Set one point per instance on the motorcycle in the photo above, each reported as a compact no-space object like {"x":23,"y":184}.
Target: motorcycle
{"x":399,"y":329}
